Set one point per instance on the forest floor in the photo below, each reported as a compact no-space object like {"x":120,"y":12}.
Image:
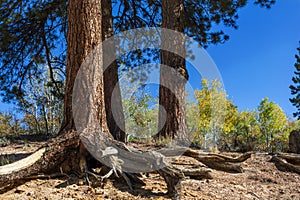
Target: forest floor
{"x":260,"y":180}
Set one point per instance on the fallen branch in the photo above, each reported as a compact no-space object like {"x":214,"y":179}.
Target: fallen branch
{"x":198,"y":173}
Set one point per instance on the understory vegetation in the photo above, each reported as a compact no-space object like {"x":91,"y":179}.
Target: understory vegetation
{"x":214,"y":121}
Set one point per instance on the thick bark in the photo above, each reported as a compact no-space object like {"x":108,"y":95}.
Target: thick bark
{"x":75,"y":42}
{"x":172,"y":82}
{"x":87,"y":103}
{"x":114,"y":110}
{"x":84,"y":35}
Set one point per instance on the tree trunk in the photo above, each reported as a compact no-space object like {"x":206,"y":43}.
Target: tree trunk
{"x":294,"y":142}
{"x":114,"y":110}
{"x":84,"y":35}
{"x":172,"y":82}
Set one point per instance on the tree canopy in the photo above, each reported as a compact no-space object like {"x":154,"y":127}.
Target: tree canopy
{"x":220,"y":123}
{"x":272,"y":121}
{"x":31,"y":39}
{"x":33,"y":34}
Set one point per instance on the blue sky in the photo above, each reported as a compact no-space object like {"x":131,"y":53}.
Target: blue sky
{"x":258,"y":60}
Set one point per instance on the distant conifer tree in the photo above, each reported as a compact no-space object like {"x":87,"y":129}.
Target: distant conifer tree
{"x":295,"y":89}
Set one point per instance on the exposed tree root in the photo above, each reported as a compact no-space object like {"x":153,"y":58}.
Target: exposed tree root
{"x":54,"y":155}
{"x":13,"y":156}
{"x":121,"y":158}
{"x":62,"y":154}
{"x":282,"y":162}
{"x":291,"y":158}
{"x":211,"y":160}
{"x":216,"y":157}
{"x":218,"y":161}
{"x":22,"y":164}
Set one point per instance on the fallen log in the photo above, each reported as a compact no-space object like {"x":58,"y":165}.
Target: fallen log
{"x":197,"y":174}
{"x":291,"y":158}
{"x":216,"y":157}
{"x":283,"y":165}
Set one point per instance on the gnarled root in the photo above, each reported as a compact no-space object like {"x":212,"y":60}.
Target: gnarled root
{"x":282,"y":164}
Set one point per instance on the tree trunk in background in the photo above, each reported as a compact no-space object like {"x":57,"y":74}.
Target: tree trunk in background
{"x":172,"y":97}
{"x":294,"y":142}
{"x":116,"y":121}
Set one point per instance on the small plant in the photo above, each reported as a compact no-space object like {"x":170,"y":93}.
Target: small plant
{"x":163,"y":141}
{"x":131,"y":137}
{"x":26,"y":144}
{"x":4,"y":142}
{"x":213,"y":149}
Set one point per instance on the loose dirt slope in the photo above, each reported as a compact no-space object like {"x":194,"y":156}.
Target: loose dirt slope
{"x":261,"y":180}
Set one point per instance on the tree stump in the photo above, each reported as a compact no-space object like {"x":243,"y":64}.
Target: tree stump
{"x":294,"y":142}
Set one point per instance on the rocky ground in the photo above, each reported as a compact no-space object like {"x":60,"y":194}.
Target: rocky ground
{"x":260,"y":180}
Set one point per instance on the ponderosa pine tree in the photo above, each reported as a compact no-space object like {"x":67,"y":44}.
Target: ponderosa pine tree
{"x":33,"y":29}
{"x":65,"y":152}
{"x":84,"y":34}
{"x":295,"y":89}
{"x":197,"y":19}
